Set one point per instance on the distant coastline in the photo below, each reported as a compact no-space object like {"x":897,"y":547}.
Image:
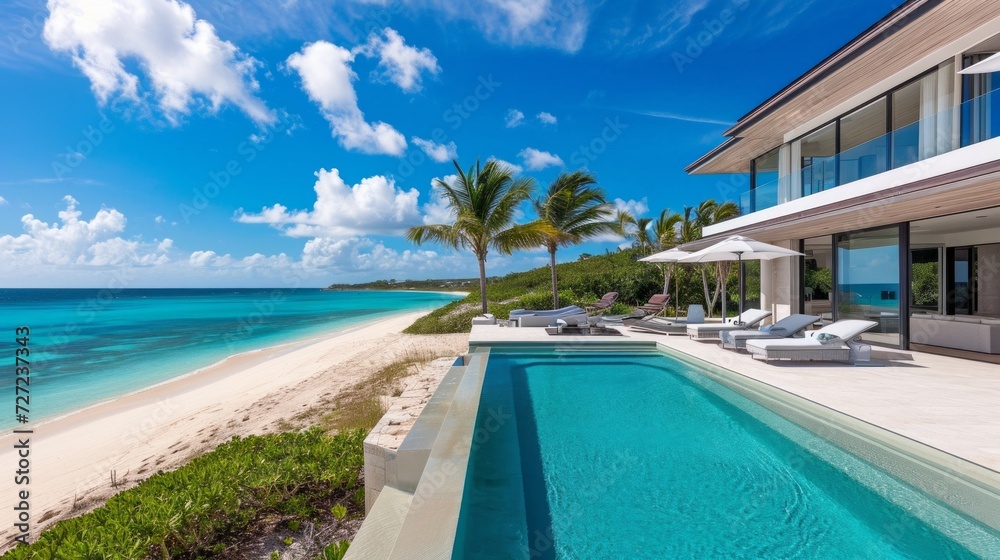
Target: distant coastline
{"x":444,"y":286}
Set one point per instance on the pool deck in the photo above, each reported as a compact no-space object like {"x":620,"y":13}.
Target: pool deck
{"x":946,"y":403}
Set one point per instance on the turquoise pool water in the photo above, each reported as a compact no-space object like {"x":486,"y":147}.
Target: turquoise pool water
{"x":614,"y":455}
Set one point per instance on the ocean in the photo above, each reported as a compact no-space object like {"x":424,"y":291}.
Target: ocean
{"x":882,"y":296}
{"x":88,"y":346}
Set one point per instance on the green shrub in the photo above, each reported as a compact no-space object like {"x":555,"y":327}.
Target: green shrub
{"x":188,"y":512}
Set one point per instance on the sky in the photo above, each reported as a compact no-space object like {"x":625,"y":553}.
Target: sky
{"x":207,"y":143}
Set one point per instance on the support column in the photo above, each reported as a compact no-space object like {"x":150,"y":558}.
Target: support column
{"x":785,"y":288}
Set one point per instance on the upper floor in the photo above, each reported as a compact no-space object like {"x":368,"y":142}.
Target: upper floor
{"x":911,"y":96}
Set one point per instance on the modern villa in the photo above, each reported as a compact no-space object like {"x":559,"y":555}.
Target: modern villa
{"x":882,"y":165}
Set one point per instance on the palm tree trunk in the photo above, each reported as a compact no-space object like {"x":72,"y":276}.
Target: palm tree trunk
{"x":482,"y":282}
{"x":555,"y":284}
{"x":709,"y":300}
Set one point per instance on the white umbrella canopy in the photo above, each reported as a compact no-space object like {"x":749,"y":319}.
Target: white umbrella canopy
{"x":737,"y":248}
{"x":987,"y":66}
{"x":668,"y":256}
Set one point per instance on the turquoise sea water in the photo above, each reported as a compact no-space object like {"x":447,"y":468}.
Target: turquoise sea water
{"x":601,"y":455}
{"x":91,"y":345}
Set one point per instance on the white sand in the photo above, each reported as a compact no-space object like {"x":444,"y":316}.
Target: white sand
{"x":161,"y":428}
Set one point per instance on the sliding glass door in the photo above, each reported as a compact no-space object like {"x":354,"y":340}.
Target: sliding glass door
{"x":868,"y":281}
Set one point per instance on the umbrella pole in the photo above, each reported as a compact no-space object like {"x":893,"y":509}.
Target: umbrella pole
{"x":739,"y":259}
{"x":676,"y":294}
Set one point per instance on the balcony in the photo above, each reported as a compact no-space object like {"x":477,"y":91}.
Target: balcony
{"x":973,"y":121}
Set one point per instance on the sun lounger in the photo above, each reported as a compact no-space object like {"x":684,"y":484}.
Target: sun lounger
{"x":785,"y":328}
{"x":531,"y":318}
{"x":749,"y":319}
{"x":548,"y":312}
{"x":659,"y":325}
{"x":831,"y":343}
{"x":603,"y":304}
{"x":655,"y":305}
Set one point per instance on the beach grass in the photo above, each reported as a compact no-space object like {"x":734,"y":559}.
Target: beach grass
{"x":362,"y":405}
{"x":208,"y":506}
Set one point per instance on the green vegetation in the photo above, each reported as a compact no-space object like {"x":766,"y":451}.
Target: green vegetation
{"x":204,"y":507}
{"x":580,"y":282}
{"x":446,"y":285}
{"x":926,"y":284}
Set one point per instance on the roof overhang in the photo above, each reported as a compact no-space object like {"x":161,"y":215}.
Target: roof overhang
{"x":963,"y":190}
{"x":907,"y":40}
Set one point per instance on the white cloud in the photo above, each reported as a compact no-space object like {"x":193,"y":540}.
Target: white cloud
{"x":200,"y":259}
{"x":159,"y":219}
{"x":399,"y":63}
{"x":375,"y":205}
{"x":437,"y":152}
{"x":438,"y":210}
{"x":547,"y":23}
{"x":165,"y":245}
{"x":635,"y":207}
{"x":185,"y":63}
{"x":76,"y":242}
{"x":325,"y":70}
{"x":547,"y":118}
{"x":514,"y":168}
{"x":514,"y":118}
{"x":360,"y":255}
{"x":536,"y":159}
{"x":3,"y":201}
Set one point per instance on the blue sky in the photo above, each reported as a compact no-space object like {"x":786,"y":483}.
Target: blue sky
{"x":221,"y":143}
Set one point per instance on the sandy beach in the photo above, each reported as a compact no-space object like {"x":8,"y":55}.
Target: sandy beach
{"x":72,"y":458}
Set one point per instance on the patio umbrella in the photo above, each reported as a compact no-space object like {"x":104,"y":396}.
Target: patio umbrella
{"x":989,"y":65}
{"x":738,"y":248}
{"x":669,"y":256}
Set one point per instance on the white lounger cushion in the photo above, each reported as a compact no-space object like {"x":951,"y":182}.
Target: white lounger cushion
{"x":749,"y":318}
{"x":840,"y":332}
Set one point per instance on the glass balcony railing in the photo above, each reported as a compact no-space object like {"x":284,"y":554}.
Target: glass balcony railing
{"x":973,"y":121}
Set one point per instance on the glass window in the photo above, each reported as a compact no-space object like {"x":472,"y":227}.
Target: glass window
{"x":765,"y":180}
{"x":925,"y":280}
{"x":817,"y":288}
{"x":863,"y":142}
{"x":868,"y":281}
{"x":817,"y":153}
{"x":905,"y":126}
{"x":979,"y":120}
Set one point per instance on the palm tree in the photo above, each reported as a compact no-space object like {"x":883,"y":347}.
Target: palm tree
{"x":485,"y":200}
{"x":575,"y":208}
{"x":665,"y":232}
{"x":636,"y":229}
{"x":708,"y":213}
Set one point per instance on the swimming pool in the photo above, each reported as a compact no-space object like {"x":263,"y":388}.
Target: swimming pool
{"x":635,"y":455}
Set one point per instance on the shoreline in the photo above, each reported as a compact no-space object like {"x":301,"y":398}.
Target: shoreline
{"x":442,"y":292}
{"x":246,"y":354}
{"x":164,"y":426}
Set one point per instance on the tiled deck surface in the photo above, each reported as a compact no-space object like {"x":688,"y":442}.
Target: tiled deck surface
{"x":947,"y":403}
